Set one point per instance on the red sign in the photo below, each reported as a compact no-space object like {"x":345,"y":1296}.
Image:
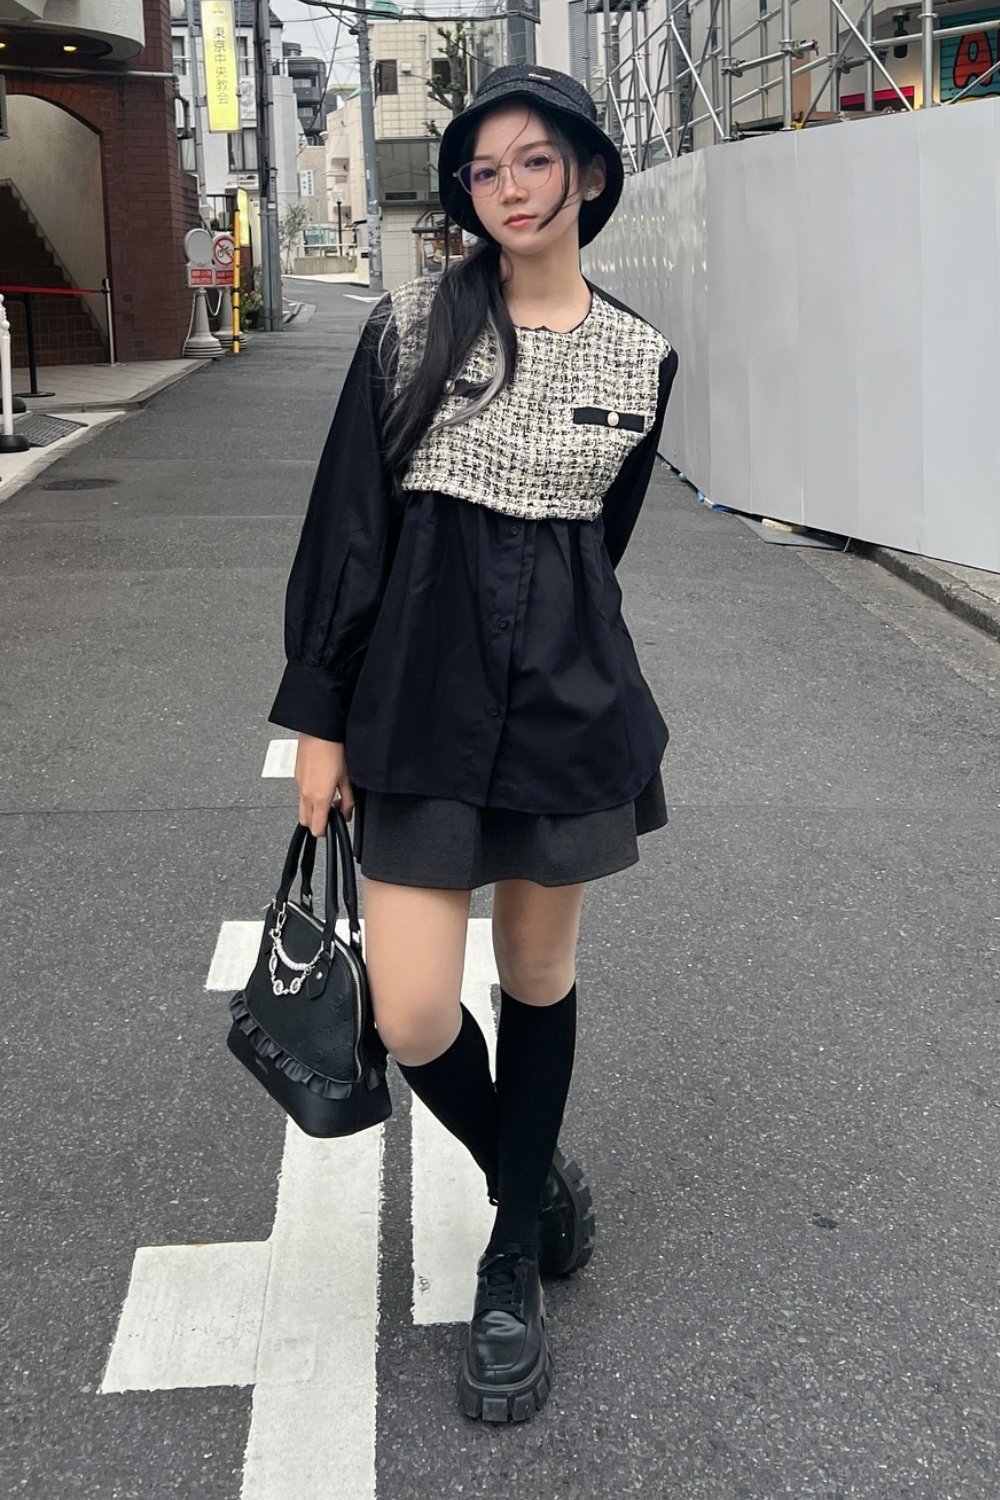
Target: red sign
{"x":210,"y":276}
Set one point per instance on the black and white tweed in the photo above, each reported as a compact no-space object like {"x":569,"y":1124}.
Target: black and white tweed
{"x":551,"y":443}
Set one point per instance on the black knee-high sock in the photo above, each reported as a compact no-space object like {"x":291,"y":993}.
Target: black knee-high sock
{"x":535,"y":1050}
{"x":458,"y":1089}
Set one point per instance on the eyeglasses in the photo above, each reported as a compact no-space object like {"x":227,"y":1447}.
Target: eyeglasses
{"x":481,"y":178}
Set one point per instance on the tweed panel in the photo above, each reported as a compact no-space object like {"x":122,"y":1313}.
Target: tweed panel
{"x":552,"y":443}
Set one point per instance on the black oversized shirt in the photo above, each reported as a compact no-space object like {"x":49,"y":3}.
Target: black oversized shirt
{"x":459,"y":651}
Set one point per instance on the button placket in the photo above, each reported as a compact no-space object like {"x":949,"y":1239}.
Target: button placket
{"x":502,"y":616}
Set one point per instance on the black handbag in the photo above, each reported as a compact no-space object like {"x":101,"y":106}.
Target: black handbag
{"x":304,"y":1024}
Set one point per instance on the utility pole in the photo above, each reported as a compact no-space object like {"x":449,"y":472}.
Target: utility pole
{"x":371,"y":157}
{"x":270,"y":272}
{"x":196,"y":103}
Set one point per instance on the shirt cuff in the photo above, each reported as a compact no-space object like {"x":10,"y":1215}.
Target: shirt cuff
{"x":309,"y":702}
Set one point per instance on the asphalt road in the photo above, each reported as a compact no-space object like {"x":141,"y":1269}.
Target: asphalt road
{"x":786,"y":1093}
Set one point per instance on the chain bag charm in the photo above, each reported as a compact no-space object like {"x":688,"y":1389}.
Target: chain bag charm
{"x":303,"y":1025}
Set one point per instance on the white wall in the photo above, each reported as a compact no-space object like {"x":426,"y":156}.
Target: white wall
{"x":399,"y":247}
{"x":406,"y":113}
{"x":55,"y":164}
{"x":833,"y":298}
{"x":313,"y":159}
{"x":286,"y":141}
{"x":343,"y":145}
{"x":552,"y":35}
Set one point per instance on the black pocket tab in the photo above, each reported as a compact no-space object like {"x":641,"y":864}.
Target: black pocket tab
{"x":607,"y":416}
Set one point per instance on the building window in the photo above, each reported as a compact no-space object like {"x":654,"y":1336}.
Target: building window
{"x":178,"y":45}
{"x":385,"y":77}
{"x":407,"y":170}
{"x":441,"y":71}
{"x":242,"y":150}
{"x":243,"y":60}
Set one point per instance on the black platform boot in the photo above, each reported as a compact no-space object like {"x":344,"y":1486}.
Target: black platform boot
{"x":505,"y":1373}
{"x":566,"y":1220}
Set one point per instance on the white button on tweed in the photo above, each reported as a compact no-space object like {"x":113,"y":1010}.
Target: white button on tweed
{"x":612,"y":419}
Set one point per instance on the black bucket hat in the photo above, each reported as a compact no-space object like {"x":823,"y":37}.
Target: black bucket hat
{"x":534,"y":84}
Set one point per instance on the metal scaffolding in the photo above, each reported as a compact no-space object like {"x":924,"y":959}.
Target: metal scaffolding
{"x":662,"y":105}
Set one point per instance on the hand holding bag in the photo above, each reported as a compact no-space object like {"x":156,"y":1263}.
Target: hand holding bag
{"x":304,"y":1024}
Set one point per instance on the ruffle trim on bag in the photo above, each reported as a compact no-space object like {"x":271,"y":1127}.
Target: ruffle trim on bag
{"x":318,"y":1083}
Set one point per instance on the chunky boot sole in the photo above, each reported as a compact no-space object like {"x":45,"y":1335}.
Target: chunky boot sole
{"x":573,"y":1257}
{"x":504,"y":1403}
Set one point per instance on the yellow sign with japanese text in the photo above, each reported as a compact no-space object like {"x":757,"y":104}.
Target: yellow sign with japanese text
{"x":218,"y":40}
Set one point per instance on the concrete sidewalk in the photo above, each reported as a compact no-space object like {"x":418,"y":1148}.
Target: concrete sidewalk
{"x":102,"y":387}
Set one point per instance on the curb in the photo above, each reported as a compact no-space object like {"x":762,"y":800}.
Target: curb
{"x":938,"y":585}
{"x":55,"y":406}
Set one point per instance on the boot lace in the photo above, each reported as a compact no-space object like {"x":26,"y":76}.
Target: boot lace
{"x":502,"y":1277}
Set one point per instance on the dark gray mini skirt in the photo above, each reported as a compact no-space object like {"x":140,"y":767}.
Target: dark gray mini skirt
{"x":408,"y":839}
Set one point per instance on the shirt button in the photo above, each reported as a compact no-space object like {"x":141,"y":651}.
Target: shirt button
{"x":504,"y":624}
{"x":492,"y":710}
{"x":514,"y":530}
{"x":449,"y":386}
{"x":612,"y":419}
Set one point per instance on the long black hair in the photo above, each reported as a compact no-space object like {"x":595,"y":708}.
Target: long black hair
{"x":469,"y":299}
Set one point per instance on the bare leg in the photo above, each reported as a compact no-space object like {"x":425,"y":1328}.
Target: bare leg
{"x":535,"y":933}
{"x":415,"y":953}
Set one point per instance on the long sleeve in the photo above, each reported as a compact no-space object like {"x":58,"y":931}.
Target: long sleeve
{"x":623,"y":501}
{"x":344,"y":552}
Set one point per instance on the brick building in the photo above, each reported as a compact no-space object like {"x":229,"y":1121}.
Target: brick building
{"x":90,"y":180}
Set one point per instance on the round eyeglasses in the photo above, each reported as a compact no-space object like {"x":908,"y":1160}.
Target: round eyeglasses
{"x":481,"y":178}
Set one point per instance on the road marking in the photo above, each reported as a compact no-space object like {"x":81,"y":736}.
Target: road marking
{"x":312,"y":1428}
{"x":296,"y":1316}
{"x":191,"y":1318}
{"x":452,"y":1216}
{"x":280,"y":758}
{"x":360,"y":297}
{"x":235,"y":954}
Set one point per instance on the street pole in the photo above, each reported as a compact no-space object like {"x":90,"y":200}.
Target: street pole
{"x":270,"y":272}
{"x":371,"y":159}
{"x":196,"y":99}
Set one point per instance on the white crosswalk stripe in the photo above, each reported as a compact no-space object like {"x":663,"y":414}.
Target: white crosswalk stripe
{"x":452,"y":1217}
{"x":279,"y":759}
{"x":191,"y":1317}
{"x":296,"y":1316}
{"x":235,"y":951}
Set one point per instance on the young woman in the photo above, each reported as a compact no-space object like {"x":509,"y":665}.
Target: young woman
{"x":459,"y":672}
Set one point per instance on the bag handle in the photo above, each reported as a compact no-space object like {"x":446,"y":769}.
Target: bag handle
{"x":338,"y":851}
